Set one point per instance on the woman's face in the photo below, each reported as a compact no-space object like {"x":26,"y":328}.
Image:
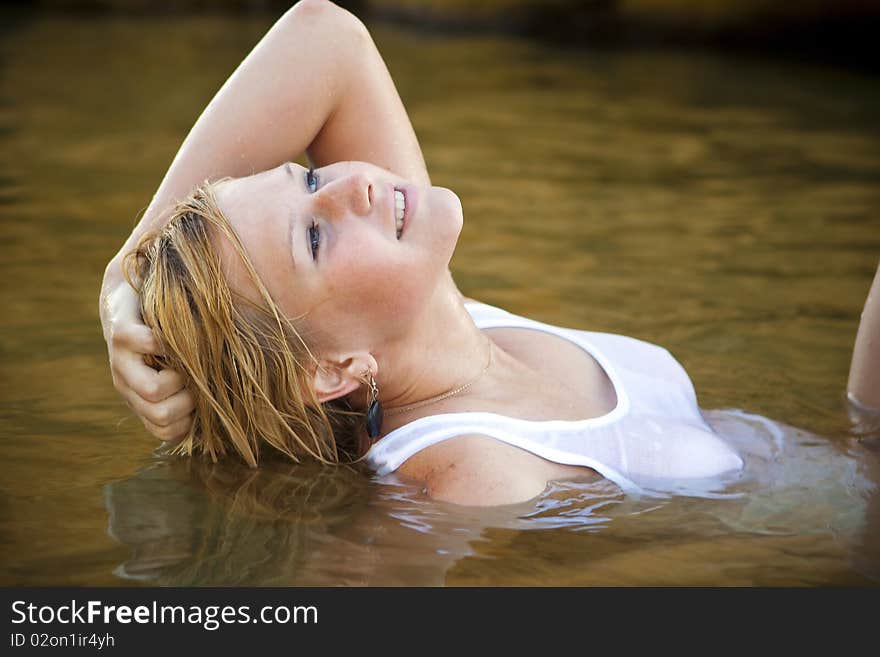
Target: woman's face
{"x":327,"y":247}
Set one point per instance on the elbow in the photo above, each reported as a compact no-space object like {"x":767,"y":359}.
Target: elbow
{"x":311,"y":7}
{"x":321,"y":12}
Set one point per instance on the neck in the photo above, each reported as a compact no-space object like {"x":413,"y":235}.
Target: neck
{"x":443,"y":351}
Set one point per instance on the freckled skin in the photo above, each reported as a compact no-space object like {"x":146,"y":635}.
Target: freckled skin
{"x":366,"y":286}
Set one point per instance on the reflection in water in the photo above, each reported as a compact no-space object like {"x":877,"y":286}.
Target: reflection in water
{"x":723,"y":207}
{"x":190,"y":522}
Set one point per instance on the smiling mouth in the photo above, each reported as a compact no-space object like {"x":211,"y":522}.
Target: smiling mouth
{"x":399,"y":210}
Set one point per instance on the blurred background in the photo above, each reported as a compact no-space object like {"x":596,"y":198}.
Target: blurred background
{"x":702,"y":175}
{"x":840,"y":31}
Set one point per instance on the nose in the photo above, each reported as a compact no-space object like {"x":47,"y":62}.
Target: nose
{"x":351,"y":194}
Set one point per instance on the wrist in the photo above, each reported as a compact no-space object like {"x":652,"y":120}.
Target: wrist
{"x":113,"y":275}
{"x":113,"y":278}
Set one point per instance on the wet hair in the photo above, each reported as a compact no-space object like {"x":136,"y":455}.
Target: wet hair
{"x":246,"y":364}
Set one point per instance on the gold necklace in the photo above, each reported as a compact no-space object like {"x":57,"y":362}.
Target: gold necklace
{"x":445,"y":395}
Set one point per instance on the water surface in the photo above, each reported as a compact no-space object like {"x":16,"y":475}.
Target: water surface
{"x":727,"y":208}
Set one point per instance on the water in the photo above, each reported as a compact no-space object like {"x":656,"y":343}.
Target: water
{"x":724,"y":207}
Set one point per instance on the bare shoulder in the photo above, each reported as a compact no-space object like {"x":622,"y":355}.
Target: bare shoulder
{"x":476,"y":470}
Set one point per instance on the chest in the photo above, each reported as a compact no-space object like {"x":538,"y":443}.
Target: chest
{"x":567,"y":382}
{"x":559,"y":381}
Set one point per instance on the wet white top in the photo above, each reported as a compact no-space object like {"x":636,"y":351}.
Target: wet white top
{"x":655,"y":437}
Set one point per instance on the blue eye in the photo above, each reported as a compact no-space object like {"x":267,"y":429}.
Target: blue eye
{"x":314,"y":238}
{"x":311,"y":179}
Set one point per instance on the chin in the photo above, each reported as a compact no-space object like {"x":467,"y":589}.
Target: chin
{"x":446,"y":205}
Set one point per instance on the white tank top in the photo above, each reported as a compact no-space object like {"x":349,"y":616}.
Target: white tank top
{"x":655,"y":437}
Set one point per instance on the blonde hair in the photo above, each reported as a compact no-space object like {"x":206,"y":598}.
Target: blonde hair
{"x":246,"y":364}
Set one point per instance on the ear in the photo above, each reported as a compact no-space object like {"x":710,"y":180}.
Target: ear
{"x":339,"y":375}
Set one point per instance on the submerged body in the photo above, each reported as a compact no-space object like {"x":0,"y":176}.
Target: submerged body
{"x":360,"y":301}
{"x":647,"y":430}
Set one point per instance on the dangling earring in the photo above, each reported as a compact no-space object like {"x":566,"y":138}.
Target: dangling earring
{"x":374,"y":412}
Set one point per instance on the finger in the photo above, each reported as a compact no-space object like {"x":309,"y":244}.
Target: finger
{"x":173,"y":433}
{"x":136,"y":337}
{"x":170,"y":382}
{"x":166,"y":412}
{"x":147,"y":383}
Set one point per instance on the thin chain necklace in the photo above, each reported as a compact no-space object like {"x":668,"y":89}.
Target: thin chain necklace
{"x":445,"y":395}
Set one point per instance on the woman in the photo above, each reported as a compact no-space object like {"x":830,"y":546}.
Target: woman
{"x":295,"y":300}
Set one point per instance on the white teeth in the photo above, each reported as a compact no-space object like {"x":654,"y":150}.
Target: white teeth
{"x":399,"y":209}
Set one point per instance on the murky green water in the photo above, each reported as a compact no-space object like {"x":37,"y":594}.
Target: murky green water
{"x":726,"y":208}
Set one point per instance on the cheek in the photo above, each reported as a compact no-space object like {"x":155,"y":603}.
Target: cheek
{"x":376,"y":282}
{"x":380,"y":287}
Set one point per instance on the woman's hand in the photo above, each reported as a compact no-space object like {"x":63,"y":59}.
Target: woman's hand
{"x":160,"y":399}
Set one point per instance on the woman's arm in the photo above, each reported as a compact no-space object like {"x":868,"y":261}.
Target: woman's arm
{"x":315,"y":83}
{"x":863,"y":387}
